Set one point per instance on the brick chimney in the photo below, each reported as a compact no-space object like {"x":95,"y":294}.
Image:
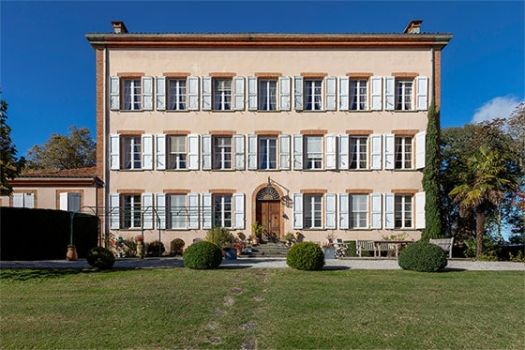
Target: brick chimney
{"x":413,"y":27}
{"x":119,"y":27}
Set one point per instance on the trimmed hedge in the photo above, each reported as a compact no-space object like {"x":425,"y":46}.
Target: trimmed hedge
{"x":305,"y":256}
{"x":155,"y":249}
{"x":423,"y":257}
{"x":43,"y":234}
{"x":100,"y":258}
{"x":202,"y":255}
{"x":177,"y":246}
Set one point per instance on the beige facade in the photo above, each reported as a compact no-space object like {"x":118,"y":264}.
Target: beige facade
{"x":391,"y":127}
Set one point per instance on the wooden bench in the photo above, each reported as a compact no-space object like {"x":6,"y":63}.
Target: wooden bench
{"x":445,"y":244}
{"x":368,"y":246}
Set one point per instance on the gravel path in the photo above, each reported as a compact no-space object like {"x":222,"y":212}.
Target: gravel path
{"x":359,"y":264}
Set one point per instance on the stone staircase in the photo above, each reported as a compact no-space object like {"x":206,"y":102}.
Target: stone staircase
{"x":269,"y":250}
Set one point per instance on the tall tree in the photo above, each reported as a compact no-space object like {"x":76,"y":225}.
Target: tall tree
{"x":10,"y":165}
{"x":431,"y":178}
{"x":75,"y":150}
{"x":483,"y":187}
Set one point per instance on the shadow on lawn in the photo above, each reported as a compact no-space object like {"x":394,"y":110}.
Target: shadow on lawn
{"x":25,"y":274}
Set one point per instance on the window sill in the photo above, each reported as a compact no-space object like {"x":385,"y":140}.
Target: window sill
{"x":132,"y":170}
{"x":134,"y":229}
{"x":176,"y":170}
{"x":178,"y":229}
{"x":357,"y":111}
{"x":316,"y":229}
{"x":174,"y":111}
{"x":131,"y":110}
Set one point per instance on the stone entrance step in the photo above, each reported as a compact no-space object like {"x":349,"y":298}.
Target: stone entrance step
{"x":269,"y":249}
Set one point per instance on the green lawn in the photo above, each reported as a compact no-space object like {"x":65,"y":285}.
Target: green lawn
{"x":278,"y":308}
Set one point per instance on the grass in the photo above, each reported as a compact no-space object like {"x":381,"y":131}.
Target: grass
{"x":230,"y":308}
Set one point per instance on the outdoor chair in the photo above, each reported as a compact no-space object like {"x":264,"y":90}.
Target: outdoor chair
{"x":368,"y":246}
{"x":445,"y":244}
{"x":340,"y":248}
{"x":389,"y":248}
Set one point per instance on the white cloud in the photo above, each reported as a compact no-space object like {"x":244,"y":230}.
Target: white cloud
{"x":498,"y":107}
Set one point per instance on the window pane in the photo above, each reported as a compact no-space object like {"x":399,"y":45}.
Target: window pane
{"x":267,"y":90}
{"x":222,"y":94}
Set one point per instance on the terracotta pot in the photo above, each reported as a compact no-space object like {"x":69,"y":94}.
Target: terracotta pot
{"x":71,"y":254}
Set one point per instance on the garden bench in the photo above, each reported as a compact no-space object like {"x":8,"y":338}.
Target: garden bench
{"x":368,"y":246}
{"x":445,"y":244}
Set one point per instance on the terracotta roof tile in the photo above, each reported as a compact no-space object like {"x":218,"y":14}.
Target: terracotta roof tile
{"x":90,"y":172}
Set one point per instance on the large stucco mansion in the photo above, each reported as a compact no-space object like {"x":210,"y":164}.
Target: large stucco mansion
{"x":316,"y":133}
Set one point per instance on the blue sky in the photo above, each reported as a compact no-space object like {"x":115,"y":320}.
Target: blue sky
{"x":48,"y":69}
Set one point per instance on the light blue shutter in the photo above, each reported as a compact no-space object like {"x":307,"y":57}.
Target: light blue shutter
{"x":114,"y":211}
{"x":284,"y":93}
{"x":160,"y":210}
{"x":238,"y":83}
{"x":193,"y":211}
{"x":343,"y":93}
{"x":147,"y":93}
{"x":193,"y":93}
{"x":206,"y":210}
{"x":238,"y":199}
{"x":114,"y":151}
{"x":114,"y":93}
{"x":298,"y":211}
{"x":238,"y":142}
{"x":343,"y":152}
{"x":422,"y":93}
{"x":376,"y":204}
{"x":331,"y":152}
{"x":344,"y":217}
{"x":147,"y":151}
{"x":389,"y":85}
{"x":147,"y":210}
{"x":330,"y":210}
{"x":298,"y":93}
{"x":420,"y":210}
{"x":330,"y":96}
{"x":160,"y":93}
{"x":389,"y":151}
{"x":252,"y":93}
{"x":252,"y":152}
{"x":420,"y":149}
{"x":376,"y":151}
{"x":193,"y":152}
{"x":298,"y":152}
{"x":206,"y":93}
{"x":206,"y":152}
{"x":284,"y":152}
{"x":376,"y":92}
{"x":160,"y":147}
{"x":388,"y":210}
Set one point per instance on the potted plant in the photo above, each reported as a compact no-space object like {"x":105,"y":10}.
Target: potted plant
{"x":328,"y":247}
{"x":257,"y":232}
{"x":239,"y":246}
{"x":71,"y":254}
{"x":289,"y":238}
{"x":140,"y":246}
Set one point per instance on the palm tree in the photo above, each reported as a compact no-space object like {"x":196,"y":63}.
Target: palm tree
{"x":483,"y":188}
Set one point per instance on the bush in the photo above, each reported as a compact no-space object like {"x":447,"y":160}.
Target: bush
{"x":176,"y":246}
{"x":220,"y":236}
{"x":100,"y":258}
{"x":155,"y":248}
{"x":423,"y":256}
{"x":202,"y":255}
{"x":130,"y":248}
{"x":305,"y":256}
{"x":351,"y":248}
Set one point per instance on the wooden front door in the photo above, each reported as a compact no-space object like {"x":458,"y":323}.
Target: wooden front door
{"x":269,"y":216}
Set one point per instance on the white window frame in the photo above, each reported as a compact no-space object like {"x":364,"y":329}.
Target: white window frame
{"x":268,"y":139}
{"x":220,"y":164}
{"x":309,"y":162}
{"x":403,"y":213}
{"x":183,"y":211}
{"x":309,"y":201}
{"x":311,"y":98}
{"x":359,"y":140}
{"x":403,"y":153}
{"x":359,"y":213}
{"x":265,"y":85}
{"x":178,"y":155}
{"x":132,"y":94}
{"x":221,"y":91}
{"x":401,"y":94}
{"x":132,"y":213}
{"x":222,"y":210}
{"x":131,"y":154}
{"x":355,"y":91}
{"x":179,"y":96}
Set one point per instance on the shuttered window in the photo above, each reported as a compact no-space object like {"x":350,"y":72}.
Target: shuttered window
{"x":132,"y":151}
{"x":313,"y":211}
{"x":267,"y":153}
{"x":404,"y":89}
{"x":177,"y":211}
{"x":359,"y":210}
{"x":131,"y":216}
{"x":358,"y":152}
{"x":358,"y":95}
{"x":267,"y":94}
{"x":222,"y":152}
{"x":177,"y":94}
{"x":176,"y":152}
{"x":313,"y":95}
{"x":222,"y":94}
{"x":313,"y":154}
{"x":132,"y":95}
{"x":403,"y":153}
{"x":403,"y":211}
{"x":222,"y":211}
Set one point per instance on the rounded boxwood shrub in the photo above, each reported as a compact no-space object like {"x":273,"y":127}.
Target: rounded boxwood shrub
{"x":423,"y":256}
{"x":305,"y":256}
{"x":177,"y":246}
{"x":202,"y":255}
{"x":155,"y":248}
{"x":100,"y":258}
